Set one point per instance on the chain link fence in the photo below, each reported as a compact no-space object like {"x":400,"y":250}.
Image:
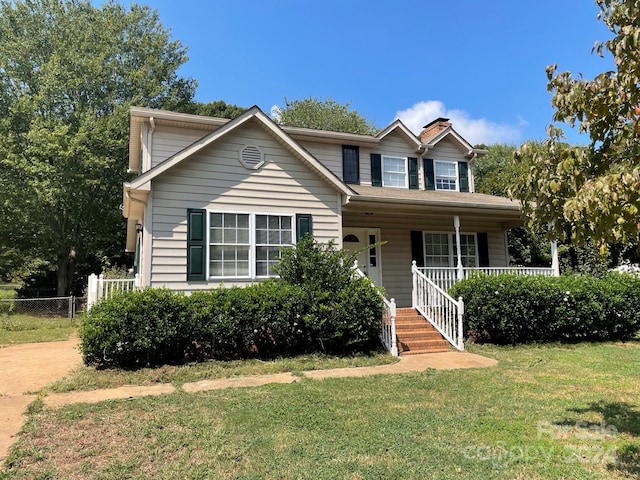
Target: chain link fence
{"x":55,"y":307}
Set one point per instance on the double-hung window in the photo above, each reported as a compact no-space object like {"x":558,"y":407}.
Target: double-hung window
{"x":247,"y":245}
{"x":446,"y":175}
{"x":394,"y":172}
{"x":440,"y":249}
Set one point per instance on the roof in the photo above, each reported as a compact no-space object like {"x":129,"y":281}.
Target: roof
{"x":465,"y":146}
{"x":254,"y":113}
{"x":436,"y":198}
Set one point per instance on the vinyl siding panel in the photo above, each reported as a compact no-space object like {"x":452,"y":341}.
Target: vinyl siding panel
{"x":167,"y":141}
{"x":215,"y":180}
{"x":395,"y":230}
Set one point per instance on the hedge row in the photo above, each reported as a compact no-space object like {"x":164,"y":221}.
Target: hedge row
{"x":321,"y":307}
{"x":510,"y":309}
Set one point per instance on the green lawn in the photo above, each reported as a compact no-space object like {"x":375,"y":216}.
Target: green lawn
{"x":545,"y":412}
{"x":18,"y":328}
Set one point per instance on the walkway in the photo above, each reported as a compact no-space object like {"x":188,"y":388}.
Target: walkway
{"x":27,"y":368}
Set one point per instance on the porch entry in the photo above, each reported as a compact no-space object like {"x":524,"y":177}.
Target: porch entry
{"x":369,"y":260}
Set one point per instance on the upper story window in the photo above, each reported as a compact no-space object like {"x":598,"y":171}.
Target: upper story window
{"x":394,"y":172}
{"x":350,"y":164}
{"x":446,"y":175}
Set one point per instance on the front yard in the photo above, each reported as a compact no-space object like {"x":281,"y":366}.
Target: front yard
{"x":556,"y":411}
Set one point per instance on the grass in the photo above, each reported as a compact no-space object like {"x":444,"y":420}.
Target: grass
{"x":18,"y":328}
{"x":90,"y":378}
{"x":544,"y":412}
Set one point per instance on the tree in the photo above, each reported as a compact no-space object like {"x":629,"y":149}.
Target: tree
{"x":323,"y":115}
{"x":68,"y":73}
{"x":591,"y":192}
{"x":217,"y":108}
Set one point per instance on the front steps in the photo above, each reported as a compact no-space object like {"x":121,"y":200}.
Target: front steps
{"x":416,"y":335}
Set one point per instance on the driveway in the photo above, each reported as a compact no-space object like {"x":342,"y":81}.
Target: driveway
{"x":24,"y":369}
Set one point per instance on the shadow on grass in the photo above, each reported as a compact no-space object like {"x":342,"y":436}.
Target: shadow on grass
{"x":626,"y":419}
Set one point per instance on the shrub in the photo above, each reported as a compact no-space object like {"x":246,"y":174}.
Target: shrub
{"x":317,"y":305}
{"x":510,"y":309}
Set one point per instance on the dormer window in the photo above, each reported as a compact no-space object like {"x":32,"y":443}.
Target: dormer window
{"x":394,"y":172}
{"x":446,"y":175}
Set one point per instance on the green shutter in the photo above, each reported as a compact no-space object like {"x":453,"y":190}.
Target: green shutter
{"x":304,"y":225}
{"x":483,"y":250}
{"x":429,"y":176}
{"x":196,"y":255}
{"x":376,"y":170}
{"x":463,"y":176}
{"x":350,"y":164}
{"x":413,"y":173}
{"x":417,"y":248}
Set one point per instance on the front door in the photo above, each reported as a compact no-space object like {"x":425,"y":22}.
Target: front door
{"x":357,"y":240}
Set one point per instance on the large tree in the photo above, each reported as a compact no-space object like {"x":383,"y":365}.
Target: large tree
{"x":324,"y":115}
{"x":68,"y":73}
{"x":593,"y":192}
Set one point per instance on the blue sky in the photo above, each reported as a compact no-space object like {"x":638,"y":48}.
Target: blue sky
{"x":482,"y":64}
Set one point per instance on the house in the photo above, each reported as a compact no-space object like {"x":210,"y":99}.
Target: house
{"x":215,"y":200}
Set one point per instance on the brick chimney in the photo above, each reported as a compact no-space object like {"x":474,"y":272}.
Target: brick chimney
{"x":433,"y":128}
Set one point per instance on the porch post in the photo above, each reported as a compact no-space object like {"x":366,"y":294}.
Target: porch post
{"x":456,"y":225}
{"x":555,"y":264}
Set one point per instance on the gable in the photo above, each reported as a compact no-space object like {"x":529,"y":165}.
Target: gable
{"x":448,"y":149}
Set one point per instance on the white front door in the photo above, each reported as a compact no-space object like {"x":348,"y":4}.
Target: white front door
{"x":369,"y":261}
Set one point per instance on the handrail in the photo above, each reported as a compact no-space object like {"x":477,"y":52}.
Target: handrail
{"x":99,"y":287}
{"x":388,"y":320}
{"x":446,"y":277}
{"x":438,"y":307}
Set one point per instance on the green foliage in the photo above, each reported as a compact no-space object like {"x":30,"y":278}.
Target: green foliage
{"x":217,"y":108}
{"x":511,"y":309}
{"x":68,"y":73}
{"x":594,"y":192}
{"x":318,"y":305}
{"x":323,"y":115}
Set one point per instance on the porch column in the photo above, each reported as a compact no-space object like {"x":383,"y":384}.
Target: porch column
{"x":555,"y":264}
{"x":456,"y":225}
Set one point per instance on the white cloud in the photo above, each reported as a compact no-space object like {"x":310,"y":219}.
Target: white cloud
{"x":474,"y":130}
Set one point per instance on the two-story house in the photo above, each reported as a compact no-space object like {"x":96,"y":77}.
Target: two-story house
{"x":216,"y":199}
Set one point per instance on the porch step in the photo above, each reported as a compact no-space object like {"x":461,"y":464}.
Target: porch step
{"x":415,"y":335}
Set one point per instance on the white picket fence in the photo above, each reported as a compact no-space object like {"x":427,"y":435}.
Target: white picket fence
{"x":99,"y":287}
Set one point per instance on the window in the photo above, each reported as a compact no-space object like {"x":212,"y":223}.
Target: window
{"x":446,"y":175}
{"x":440,"y":249}
{"x":273,"y":233}
{"x":394,"y":172}
{"x":247,"y":245}
{"x":350,"y":164}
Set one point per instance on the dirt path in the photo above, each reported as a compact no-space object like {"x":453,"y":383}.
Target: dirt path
{"x":27,"y":368}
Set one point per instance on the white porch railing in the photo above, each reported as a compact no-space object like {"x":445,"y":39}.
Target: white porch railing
{"x":388,"y":321}
{"x":100,"y":287}
{"x":441,"y":310}
{"x":445,"y":277}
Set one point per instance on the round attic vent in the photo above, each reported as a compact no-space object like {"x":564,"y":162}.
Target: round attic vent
{"x":251,"y":157}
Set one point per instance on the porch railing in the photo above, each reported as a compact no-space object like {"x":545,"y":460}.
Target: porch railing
{"x":99,"y":287}
{"x":445,"y":277}
{"x":388,"y":320}
{"x":441,"y":310}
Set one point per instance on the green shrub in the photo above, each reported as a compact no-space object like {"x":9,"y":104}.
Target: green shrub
{"x":317,"y":305}
{"x":510,"y":309}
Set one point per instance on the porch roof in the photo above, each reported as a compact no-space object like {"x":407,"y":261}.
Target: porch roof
{"x":433,"y":198}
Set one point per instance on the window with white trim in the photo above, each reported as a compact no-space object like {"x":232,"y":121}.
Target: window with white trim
{"x":394,"y":172}
{"x":440,"y":249}
{"x":446,"y":175}
{"x":247,"y":245}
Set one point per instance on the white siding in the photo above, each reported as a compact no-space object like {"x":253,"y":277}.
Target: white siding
{"x":396,"y":259}
{"x":214,"y":179}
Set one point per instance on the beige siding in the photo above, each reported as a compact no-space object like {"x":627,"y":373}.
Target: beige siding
{"x":396,"y":259}
{"x":448,"y":151}
{"x":214,"y":179}
{"x":167,"y":141}
{"x":330,"y":155}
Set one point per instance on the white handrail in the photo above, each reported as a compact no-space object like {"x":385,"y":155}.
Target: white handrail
{"x":388,"y":321}
{"x":438,"y":307}
{"x":99,"y":287}
{"x":446,"y":277}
